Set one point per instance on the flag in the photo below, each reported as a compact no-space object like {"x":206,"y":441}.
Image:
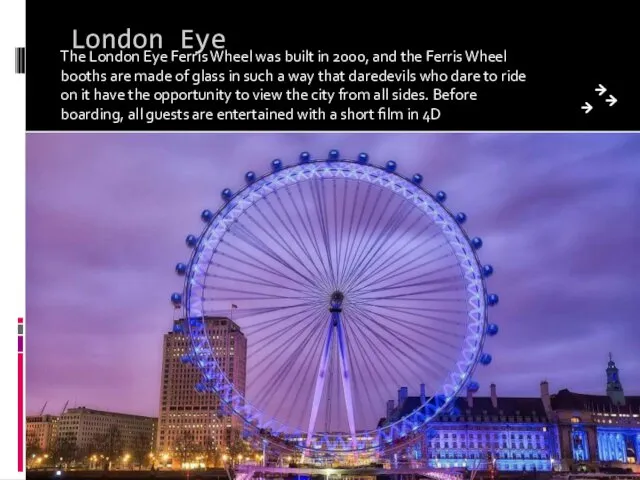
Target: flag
{"x":233,"y":305}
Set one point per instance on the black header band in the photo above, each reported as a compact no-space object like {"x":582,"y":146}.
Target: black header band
{"x":84,"y":75}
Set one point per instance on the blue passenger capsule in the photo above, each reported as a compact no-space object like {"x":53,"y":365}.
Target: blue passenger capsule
{"x":476,"y":243}
{"x":226,"y":194}
{"x":461,"y":217}
{"x":276,"y":165}
{"x":206,"y":216}
{"x":305,"y":157}
{"x":250,"y":177}
{"x":492,"y":329}
{"x":191,"y":241}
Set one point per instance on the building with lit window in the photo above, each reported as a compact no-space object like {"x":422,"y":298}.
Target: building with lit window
{"x":565,"y":431}
{"x":40,"y":431}
{"x":188,"y":416}
{"x":83,"y":428}
{"x":597,"y":430}
{"x":515,"y":434}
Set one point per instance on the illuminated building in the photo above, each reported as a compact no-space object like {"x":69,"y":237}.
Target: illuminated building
{"x":565,"y":431}
{"x":599,"y":429}
{"x":190,"y":416}
{"x":40,"y":431}
{"x":83,"y":426}
{"x":515,"y":434}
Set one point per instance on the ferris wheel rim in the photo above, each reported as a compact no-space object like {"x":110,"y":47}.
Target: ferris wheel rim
{"x":474,"y":339}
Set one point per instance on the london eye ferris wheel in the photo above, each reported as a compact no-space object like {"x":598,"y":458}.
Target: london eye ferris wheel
{"x":350,"y":280}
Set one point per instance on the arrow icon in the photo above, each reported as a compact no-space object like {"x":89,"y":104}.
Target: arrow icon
{"x":587,"y":107}
{"x":601,"y":89}
{"x":611,"y":100}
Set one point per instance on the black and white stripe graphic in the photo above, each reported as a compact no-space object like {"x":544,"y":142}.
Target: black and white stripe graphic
{"x":20,"y":60}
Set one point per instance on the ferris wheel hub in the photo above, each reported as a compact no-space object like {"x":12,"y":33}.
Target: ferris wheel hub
{"x":337,"y":298}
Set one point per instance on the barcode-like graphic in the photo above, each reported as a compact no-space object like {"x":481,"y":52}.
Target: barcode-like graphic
{"x":20,"y":60}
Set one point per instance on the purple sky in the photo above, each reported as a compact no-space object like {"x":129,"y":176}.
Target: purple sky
{"x":107,"y":215}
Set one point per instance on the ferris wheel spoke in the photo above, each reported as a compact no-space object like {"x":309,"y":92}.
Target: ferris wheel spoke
{"x":253,"y":313}
{"x":359,"y":352}
{"x":330,"y":387}
{"x":420,"y":331}
{"x":411,"y":296}
{"x":430,"y":318}
{"x":257,"y":295}
{"x":262,"y":247}
{"x":357,"y":232}
{"x":276,"y":382}
{"x":256,"y":326}
{"x":380,"y":355}
{"x":260,"y":265}
{"x":280,"y":240}
{"x":282,"y":331}
{"x":383,"y":283}
{"x":289,"y":334}
{"x":290,"y":227}
{"x":306,"y":372}
{"x":338,"y":227}
{"x":427,"y":309}
{"x":277,"y":349}
{"x":350,"y":233}
{"x":321,"y":234}
{"x":256,"y":281}
{"x":345,"y":375}
{"x":375,"y":243}
{"x":321,"y":207}
{"x":451,"y":279}
{"x":352,"y":262}
{"x":273,"y":382}
{"x":408,"y":361}
{"x":305,"y":219}
{"x":254,"y":276}
{"x":409,"y":252}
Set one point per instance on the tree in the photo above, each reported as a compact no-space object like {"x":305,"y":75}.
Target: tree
{"x":33,"y":447}
{"x":211,"y":452}
{"x":33,"y":450}
{"x":64,"y":448}
{"x":238,"y":446}
{"x":186,"y":447}
{"x":140,"y":449}
{"x":110,"y":444}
